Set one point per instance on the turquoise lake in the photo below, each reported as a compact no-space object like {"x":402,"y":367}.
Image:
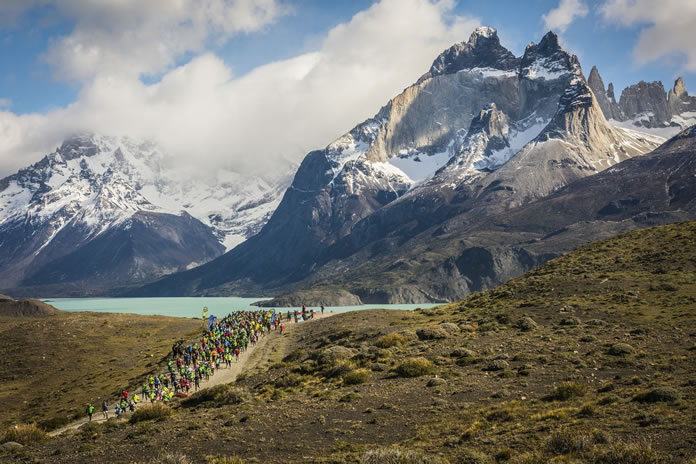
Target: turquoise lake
{"x":189,"y":307}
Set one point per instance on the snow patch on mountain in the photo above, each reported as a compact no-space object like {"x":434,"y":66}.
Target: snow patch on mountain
{"x":102,"y":181}
{"x":517,"y":139}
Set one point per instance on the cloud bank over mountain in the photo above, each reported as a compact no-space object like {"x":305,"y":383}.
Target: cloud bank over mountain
{"x":203,"y":113}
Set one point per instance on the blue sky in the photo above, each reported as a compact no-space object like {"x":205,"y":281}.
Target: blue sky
{"x":28,"y":82}
{"x":128,"y":66}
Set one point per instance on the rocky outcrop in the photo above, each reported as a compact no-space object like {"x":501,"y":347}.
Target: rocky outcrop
{"x":647,"y":99}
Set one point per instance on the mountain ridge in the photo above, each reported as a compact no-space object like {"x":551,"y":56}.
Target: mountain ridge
{"x":365,"y":181}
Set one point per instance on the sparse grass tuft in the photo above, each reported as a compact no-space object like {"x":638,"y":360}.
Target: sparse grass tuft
{"x":414,"y":367}
{"x":25,"y":434}
{"x":217,"y":396}
{"x":391,"y":340}
{"x":356,"y":377}
{"x":567,"y":391}
{"x":658,"y":395}
{"x":156,"y":411}
{"x":396,"y":455}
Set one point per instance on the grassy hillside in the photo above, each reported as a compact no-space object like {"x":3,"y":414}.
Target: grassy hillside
{"x":589,"y":358}
{"x":51,"y":367}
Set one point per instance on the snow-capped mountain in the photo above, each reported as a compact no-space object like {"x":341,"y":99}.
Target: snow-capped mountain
{"x":481,"y":132}
{"x":92,"y":185}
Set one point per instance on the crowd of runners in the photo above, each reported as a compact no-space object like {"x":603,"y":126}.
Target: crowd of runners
{"x":189,"y":365}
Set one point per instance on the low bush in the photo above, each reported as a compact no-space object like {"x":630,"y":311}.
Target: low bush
{"x":622,"y":453}
{"x":25,"y":434}
{"x":288,"y":380}
{"x":474,"y":457}
{"x":621,"y":349}
{"x":297,"y":355}
{"x":566,"y":391}
{"x":357,"y":376}
{"x":396,"y":455}
{"x":433,"y":332}
{"x":658,"y":395}
{"x":156,"y":411}
{"x":414,"y":367}
{"x":391,"y":340}
{"x":566,"y":441}
{"x":217,"y":396}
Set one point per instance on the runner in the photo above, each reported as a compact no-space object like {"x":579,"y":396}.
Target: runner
{"x":90,"y":410}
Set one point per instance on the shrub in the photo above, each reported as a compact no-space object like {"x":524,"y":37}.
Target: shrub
{"x":156,"y":411}
{"x":414,"y":367}
{"x":474,"y":457}
{"x":170,"y":457}
{"x":587,"y":410}
{"x":340,"y":369}
{"x":570,"y":321}
{"x":288,"y":380}
{"x":357,"y":376}
{"x":433,"y":332}
{"x":334,"y":354}
{"x":450,"y":327}
{"x":526,"y":324}
{"x":295,"y":356}
{"x":349,"y":397}
{"x":25,"y":434}
{"x":217,"y":396}
{"x":497,"y":365}
{"x":621,"y":349}
{"x":225,"y":460}
{"x":565,"y":441}
{"x":396,"y":455}
{"x":622,"y":453}
{"x":390,"y":340}
{"x":566,"y":391}
{"x":462,"y":352}
{"x":658,"y":395}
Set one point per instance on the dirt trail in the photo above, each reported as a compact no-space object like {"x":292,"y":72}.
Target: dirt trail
{"x":248,"y":359}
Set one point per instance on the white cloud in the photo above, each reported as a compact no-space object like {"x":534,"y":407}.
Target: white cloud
{"x":667,"y":28}
{"x":205,"y":115}
{"x":136,"y":37}
{"x":562,"y":16}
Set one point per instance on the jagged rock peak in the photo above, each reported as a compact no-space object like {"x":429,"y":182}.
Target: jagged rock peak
{"x":490,"y":120}
{"x":549,"y":43}
{"x":483,"y":33}
{"x":548,"y":60}
{"x":680,"y":88}
{"x":482,"y":50}
{"x":595,"y":79}
{"x":648,"y":99}
{"x":610,"y":92}
{"x":605,"y":98}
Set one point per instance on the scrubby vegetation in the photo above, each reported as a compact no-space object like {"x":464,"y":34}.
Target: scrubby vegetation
{"x":155,"y":411}
{"x":587,"y":359}
{"x":25,"y":434}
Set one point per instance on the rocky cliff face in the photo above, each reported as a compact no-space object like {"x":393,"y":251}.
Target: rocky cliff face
{"x":605,"y":97}
{"x":102,"y":193}
{"x":481,"y":132}
{"x":646,"y":106}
